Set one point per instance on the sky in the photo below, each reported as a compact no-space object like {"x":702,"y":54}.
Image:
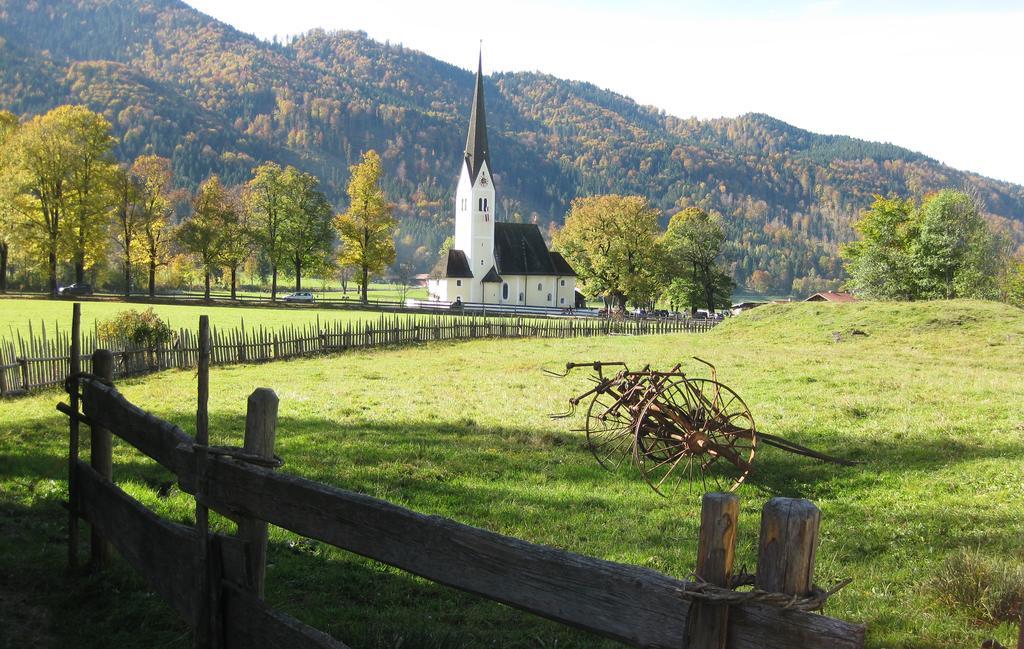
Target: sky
{"x":940,"y":77}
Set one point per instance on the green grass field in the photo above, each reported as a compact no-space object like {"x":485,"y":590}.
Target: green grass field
{"x":16,"y":314}
{"x":929,"y":526}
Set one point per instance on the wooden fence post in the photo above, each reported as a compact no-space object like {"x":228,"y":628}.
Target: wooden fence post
{"x":709,"y":622}
{"x":23,"y":364}
{"x":260,"y":430}
{"x":789,"y":543}
{"x":101,"y":456}
{"x":74,"y":366}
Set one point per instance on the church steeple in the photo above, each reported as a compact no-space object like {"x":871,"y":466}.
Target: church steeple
{"x":476,"y":142}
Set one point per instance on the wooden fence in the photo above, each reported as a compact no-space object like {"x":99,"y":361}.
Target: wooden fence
{"x":215,"y":582}
{"x":40,"y":361}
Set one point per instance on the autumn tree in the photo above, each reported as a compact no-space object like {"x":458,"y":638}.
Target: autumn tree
{"x":126,"y":194}
{"x":205,"y":234}
{"x":89,"y":149}
{"x":155,"y":203}
{"x":267,"y":204}
{"x":41,"y":153}
{"x":367,"y":229}
{"x":611,"y":243}
{"x":306,"y":235}
{"x":8,"y":125}
{"x":692,"y":246}
{"x":238,"y":237}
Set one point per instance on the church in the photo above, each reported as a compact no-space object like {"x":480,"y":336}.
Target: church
{"x":492,"y":262}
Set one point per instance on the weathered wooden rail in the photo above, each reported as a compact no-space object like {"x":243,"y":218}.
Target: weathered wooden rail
{"x":41,"y":361}
{"x":215,"y":583}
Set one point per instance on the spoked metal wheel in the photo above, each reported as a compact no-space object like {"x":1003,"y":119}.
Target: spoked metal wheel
{"x":697,"y":433}
{"x":610,"y":429}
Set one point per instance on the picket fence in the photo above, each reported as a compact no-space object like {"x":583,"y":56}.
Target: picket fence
{"x":42,"y":361}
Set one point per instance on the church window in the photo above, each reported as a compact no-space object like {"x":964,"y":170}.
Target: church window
{"x":563,"y":282}
{"x":480,"y":204}
{"x":562,"y":300}
{"x":520,"y":297}
{"x":458,"y":282}
{"x":549,"y":297}
{"x":540,"y":286}
{"x":485,"y":204}
{"x":504,"y":291}
{"x":481,"y":262}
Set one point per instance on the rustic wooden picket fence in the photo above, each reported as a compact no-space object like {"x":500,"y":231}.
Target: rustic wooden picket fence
{"x":40,"y":361}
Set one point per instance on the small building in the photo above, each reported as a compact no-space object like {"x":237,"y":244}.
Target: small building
{"x":491,"y":262}
{"x":831,"y":296}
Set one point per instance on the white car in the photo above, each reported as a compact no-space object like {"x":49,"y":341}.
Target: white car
{"x":303,"y":296}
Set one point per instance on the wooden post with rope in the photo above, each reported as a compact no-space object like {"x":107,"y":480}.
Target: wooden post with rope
{"x":709,"y":622}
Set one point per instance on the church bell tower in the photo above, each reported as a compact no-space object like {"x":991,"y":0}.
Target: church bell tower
{"x":475,"y":196}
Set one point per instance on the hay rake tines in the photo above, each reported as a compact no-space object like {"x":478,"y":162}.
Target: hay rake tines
{"x":670,"y":426}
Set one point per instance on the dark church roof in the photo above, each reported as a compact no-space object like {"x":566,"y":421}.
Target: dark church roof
{"x":454,"y":265}
{"x":519,"y":249}
{"x":492,"y":276}
{"x":562,"y":267}
{"x":476,"y":142}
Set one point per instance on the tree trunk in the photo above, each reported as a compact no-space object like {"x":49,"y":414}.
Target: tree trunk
{"x":273,"y":283}
{"x":206,"y":290}
{"x":53,"y":272}
{"x":4,"y":249}
{"x":152,"y":277}
{"x":80,"y":258}
{"x":234,"y":293}
{"x":366,"y":277}
{"x":298,"y":275}
{"x":127,"y":278}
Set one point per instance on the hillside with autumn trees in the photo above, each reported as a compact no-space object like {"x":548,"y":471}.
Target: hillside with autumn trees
{"x":177,"y":83}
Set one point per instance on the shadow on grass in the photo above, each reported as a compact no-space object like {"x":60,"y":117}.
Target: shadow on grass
{"x":516,"y":475}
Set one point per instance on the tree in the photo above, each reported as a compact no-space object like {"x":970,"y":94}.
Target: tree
{"x":306,"y":229}
{"x":126,"y":191}
{"x":266,"y":201}
{"x":367,"y":229}
{"x":238,"y":237}
{"x":955,"y":254}
{"x":881,"y":264}
{"x":692,"y":245}
{"x":153,"y":175}
{"x":90,"y":200}
{"x":1013,"y":283}
{"x":8,"y":125}
{"x":611,"y":243}
{"x":40,"y":153}
{"x":206,"y":233}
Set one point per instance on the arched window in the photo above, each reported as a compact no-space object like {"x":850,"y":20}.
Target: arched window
{"x":520,"y":297}
{"x":504,"y":291}
{"x":549,"y":297}
{"x":540,"y":286}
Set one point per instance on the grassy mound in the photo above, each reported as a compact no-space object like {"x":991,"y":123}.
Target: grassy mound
{"x":929,"y":399}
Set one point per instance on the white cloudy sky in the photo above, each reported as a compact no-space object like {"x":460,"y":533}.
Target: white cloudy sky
{"x":942,"y":77}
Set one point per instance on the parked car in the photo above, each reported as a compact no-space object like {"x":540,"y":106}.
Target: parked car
{"x":302,"y":296}
{"x":75,"y":289}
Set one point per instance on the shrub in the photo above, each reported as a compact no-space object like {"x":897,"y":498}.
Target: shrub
{"x":145,"y":329}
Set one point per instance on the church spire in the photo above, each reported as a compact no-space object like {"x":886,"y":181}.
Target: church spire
{"x":476,"y":142}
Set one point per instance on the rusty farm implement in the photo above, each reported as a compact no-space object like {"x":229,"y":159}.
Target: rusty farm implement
{"x":670,"y":424}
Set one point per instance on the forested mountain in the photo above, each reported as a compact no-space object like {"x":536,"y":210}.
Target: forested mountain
{"x":178,"y":83}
